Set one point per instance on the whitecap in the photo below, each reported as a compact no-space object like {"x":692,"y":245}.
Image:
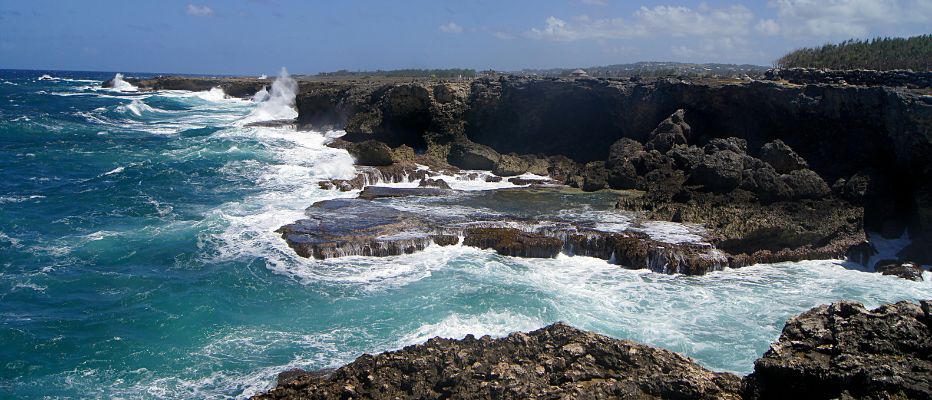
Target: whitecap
{"x":116,"y":170}
{"x":122,"y":86}
{"x":456,"y":326}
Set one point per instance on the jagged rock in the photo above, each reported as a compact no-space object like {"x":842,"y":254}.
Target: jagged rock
{"x":537,"y":166}
{"x":671,"y":132}
{"x":513,"y":242}
{"x":528,"y":181}
{"x":905,"y":270}
{"x":469,"y":155}
{"x":493,"y":178}
{"x":623,"y":175}
{"x":782,"y":157}
{"x":554,"y":362}
{"x":806,"y":184}
{"x":685,"y":158}
{"x":720,"y":171}
{"x":563,"y":169}
{"x":766,"y":183}
{"x":437,"y":183}
{"x":733,"y":144}
{"x":844,"y":350}
{"x":623,"y":150}
{"x":378,"y":192}
{"x":595,"y":177}
{"x":510,"y":165}
{"x":636,"y":250}
{"x":445,"y":240}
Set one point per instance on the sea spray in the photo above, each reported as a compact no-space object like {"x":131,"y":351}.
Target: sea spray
{"x":123,"y":86}
{"x":280,"y":101}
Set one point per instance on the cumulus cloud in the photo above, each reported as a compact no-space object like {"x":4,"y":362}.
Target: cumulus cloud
{"x":199,"y":11}
{"x":767,"y":27}
{"x":848,"y":18}
{"x":451,"y":27}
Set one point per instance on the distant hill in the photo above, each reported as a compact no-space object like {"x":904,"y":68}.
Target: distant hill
{"x":913,"y":53}
{"x":655,"y":69}
{"x":405,"y":73}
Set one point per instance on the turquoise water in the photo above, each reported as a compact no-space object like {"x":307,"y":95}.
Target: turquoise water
{"x":137,"y":260}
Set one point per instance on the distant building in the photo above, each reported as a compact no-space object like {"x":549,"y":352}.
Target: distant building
{"x":578,"y":73}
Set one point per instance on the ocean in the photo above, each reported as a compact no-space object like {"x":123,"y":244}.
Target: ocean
{"x":138,"y":257}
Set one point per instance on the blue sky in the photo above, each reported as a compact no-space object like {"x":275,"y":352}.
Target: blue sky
{"x":259,"y":36}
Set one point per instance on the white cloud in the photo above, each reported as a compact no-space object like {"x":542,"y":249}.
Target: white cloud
{"x":849,"y":18}
{"x":451,"y":27}
{"x":767,"y":27}
{"x":656,"y":21}
{"x":199,"y":11}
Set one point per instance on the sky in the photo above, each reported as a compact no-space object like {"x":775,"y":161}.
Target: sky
{"x":260,"y":36}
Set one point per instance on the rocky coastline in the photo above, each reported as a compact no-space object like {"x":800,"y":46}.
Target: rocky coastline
{"x":842,"y":350}
{"x":776,"y":171}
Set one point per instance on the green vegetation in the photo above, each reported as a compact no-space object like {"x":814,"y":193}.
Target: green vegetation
{"x":913,"y":53}
{"x":407,"y":73}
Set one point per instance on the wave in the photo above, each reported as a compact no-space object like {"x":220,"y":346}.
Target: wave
{"x":457,"y":326}
{"x":137,"y":107}
{"x":280,"y":103}
{"x":123,"y":86}
{"x":47,"y":77}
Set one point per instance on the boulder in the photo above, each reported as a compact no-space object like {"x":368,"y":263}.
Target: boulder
{"x":436,"y":183}
{"x":720,"y":171}
{"x":623,"y":151}
{"x":736,"y":145}
{"x":403,"y":153}
{"x":595,"y":177}
{"x":468,"y":155}
{"x":371,"y":153}
{"x":806,"y":184}
{"x":905,"y":270}
{"x":782,"y":157}
{"x":671,"y":132}
{"x":846,"y":351}
{"x":685,"y":158}
{"x":510,"y":165}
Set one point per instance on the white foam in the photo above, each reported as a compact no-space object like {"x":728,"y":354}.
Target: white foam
{"x":47,"y":77}
{"x":280,"y":104}
{"x":122,"y":86}
{"x":137,"y":107}
{"x":116,"y":170}
{"x":887,"y":249}
{"x":457,"y":326}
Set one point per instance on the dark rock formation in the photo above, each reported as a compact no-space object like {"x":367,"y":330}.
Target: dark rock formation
{"x":555,"y":362}
{"x":468,"y":155}
{"x":781,"y":157}
{"x":514,"y":242}
{"x":379,"y":192}
{"x":912,"y":79}
{"x":235,"y":87}
{"x":905,"y":270}
{"x":835,"y":351}
{"x":369,"y":152}
{"x":846,"y":351}
{"x":437,"y":183}
{"x":342,"y":227}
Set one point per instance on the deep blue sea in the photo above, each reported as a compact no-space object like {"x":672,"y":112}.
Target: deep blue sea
{"x":138,"y":259}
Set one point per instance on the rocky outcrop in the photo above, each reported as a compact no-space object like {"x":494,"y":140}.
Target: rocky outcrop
{"x":905,"y":270}
{"x":912,"y":79}
{"x":841,"y":350}
{"x":846,"y":351}
{"x":555,"y":362}
{"x":235,"y":87}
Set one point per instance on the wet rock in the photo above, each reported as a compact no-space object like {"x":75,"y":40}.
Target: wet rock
{"x":782,"y":157}
{"x":720,"y":171}
{"x":636,"y":250}
{"x":595,"y":177}
{"x":493,"y":178}
{"x":369,"y":153}
{"x":437,"y":183}
{"x":445,"y":240}
{"x":378,"y":192}
{"x":510,"y":165}
{"x":563,"y":169}
{"x":528,"y":181}
{"x":905,"y":270}
{"x":844,"y":350}
{"x":344,"y":227}
{"x":469,"y":155}
{"x":537,"y":165}
{"x":555,"y":362}
{"x":513,"y":242}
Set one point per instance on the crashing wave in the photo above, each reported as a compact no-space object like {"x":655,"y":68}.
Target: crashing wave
{"x":123,"y":86}
{"x":137,"y":107}
{"x":261,"y":95}
{"x":280,"y":102}
{"x":47,"y":77}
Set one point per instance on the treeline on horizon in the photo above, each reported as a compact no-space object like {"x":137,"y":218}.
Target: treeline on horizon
{"x":408,"y":73}
{"x":913,"y":53}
